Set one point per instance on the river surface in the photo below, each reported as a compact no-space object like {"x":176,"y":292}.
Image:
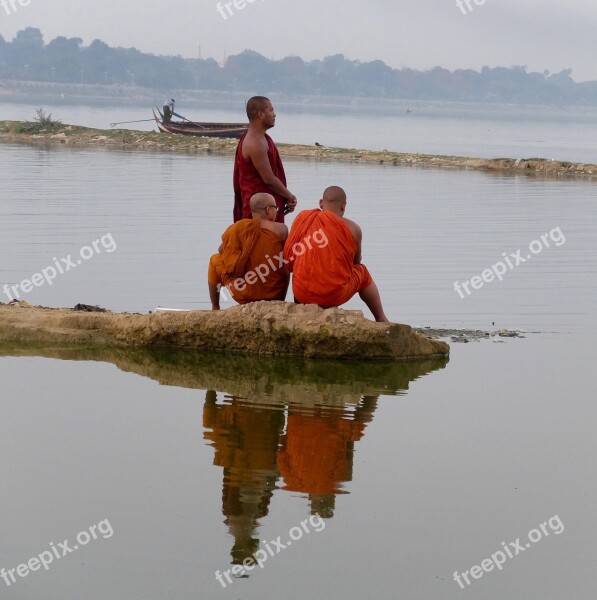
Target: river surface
{"x":385,"y":479}
{"x":431,"y":127}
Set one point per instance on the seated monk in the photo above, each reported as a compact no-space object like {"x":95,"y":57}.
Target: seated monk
{"x":244,"y":262}
{"x":329,"y":275}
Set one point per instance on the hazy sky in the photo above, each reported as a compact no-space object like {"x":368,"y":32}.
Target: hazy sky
{"x":542,"y":34}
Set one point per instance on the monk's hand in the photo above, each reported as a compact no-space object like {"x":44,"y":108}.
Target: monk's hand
{"x":291,"y":204}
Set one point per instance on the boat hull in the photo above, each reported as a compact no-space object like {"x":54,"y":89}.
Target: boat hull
{"x":201,"y":129}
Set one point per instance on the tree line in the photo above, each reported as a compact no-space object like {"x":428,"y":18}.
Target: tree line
{"x":28,"y":57}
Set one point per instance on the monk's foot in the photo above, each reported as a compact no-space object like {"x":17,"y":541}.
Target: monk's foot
{"x":215,"y":307}
{"x":380,"y":317}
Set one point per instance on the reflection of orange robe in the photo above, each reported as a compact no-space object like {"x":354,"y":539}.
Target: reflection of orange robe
{"x":324,"y":275}
{"x":245,"y":441}
{"x":247,"y":247}
{"x":316,"y":455}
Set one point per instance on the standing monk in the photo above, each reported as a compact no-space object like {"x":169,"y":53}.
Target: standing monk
{"x":330,"y":275}
{"x":257,"y":164}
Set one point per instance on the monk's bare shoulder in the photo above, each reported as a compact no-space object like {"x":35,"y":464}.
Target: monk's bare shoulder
{"x":279,"y":228}
{"x":254,"y":145}
{"x":355,"y":228}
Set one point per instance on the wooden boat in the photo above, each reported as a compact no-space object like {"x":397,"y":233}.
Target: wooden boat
{"x":218,"y":130}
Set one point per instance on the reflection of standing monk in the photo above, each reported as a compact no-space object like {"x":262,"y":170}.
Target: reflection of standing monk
{"x":245,"y":440}
{"x":257,"y":164}
{"x":317,"y":451}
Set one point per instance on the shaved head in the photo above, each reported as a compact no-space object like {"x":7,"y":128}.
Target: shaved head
{"x":334,"y":195}
{"x":334,"y":200}
{"x":255,"y":105}
{"x":259,"y":202}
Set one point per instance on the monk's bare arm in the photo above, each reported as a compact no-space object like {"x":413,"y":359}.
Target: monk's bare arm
{"x":283,"y":231}
{"x":359,"y":256}
{"x":256,"y":150}
{"x":358,"y":236}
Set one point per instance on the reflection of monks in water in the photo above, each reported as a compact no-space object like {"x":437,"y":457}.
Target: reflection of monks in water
{"x":317,"y":451}
{"x":246,"y":440}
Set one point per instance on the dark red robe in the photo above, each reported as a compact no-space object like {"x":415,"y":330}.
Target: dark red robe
{"x":248,"y":182}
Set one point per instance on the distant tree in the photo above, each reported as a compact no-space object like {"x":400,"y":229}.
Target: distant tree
{"x":99,"y":50}
{"x":30,"y":39}
{"x":467,"y":82}
{"x":206,"y":74}
{"x":293,"y":76}
{"x":27,"y":54}
{"x":336,"y":76}
{"x":3,"y":53}
{"x":564,"y":77}
{"x":408,"y":83}
{"x":62,"y":56}
{"x":562,"y":86}
{"x":293,"y":65}
{"x":376,"y":77}
{"x":249,"y":69}
{"x":101,"y":62}
{"x":67,"y":60}
{"x":437,"y":79}
{"x":61,"y":45}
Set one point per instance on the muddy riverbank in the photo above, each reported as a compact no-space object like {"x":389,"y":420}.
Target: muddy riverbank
{"x":75,"y":136}
{"x":259,"y":328}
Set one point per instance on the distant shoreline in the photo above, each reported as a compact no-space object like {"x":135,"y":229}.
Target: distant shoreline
{"x":114,"y":95}
{"x":125,"y":139}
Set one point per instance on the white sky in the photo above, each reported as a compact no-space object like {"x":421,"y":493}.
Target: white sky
{"x":542,"y":34}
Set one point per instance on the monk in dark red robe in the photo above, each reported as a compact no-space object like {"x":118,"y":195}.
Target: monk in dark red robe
{"x":258,"y":167}
{"x":323,"y":251}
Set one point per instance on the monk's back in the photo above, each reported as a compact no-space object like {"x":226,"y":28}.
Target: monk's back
{"x":321,"y":250}
{"x":328,"y":263}
{"x":244,"y":262}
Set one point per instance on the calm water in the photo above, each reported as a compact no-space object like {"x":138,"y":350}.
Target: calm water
{"x":566,"y":133}
{"x":419,"y":469}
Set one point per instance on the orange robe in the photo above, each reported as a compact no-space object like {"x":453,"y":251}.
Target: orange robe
{"x":317,"y":452}
{"x":246,"y":265}
{"x":324,"y":275}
